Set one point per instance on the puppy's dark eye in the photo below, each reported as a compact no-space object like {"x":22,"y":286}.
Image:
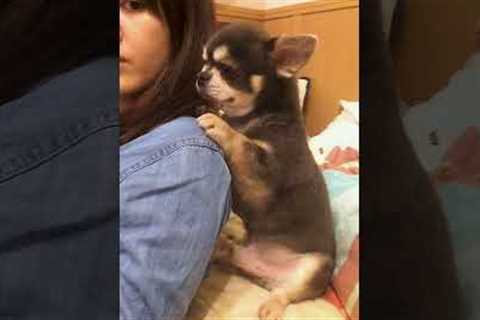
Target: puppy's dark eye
{"x":229,"y":70}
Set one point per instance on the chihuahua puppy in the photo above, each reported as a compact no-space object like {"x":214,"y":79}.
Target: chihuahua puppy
{"x":278,"y":191}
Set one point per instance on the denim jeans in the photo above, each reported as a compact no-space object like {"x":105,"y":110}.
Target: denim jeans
{"x":174,"y":198}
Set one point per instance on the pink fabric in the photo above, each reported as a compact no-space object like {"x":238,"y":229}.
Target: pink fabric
{"x":347,"y":279}
{"x":340,"y":159}
{"x":461,"y":162}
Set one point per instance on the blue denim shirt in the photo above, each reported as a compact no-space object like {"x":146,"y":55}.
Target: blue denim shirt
{"x":174,"y":198}
{"x":59,"y":197}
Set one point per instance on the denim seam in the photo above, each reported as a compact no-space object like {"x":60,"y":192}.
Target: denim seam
{"x":165,"y":153}
{"x":40,"y":153}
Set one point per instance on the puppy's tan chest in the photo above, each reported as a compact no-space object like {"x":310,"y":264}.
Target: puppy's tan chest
{"x":270,"y":262}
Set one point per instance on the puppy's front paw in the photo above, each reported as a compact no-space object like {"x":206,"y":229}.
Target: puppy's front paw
{"x":223,"y":251}
{"x":272,"y":309}
{"x":217,"y":129}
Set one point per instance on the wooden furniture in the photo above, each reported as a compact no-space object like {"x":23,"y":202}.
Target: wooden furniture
{"x":431,"y":40}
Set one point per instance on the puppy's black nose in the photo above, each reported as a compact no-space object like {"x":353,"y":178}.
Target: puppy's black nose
{"x":203,"y":77}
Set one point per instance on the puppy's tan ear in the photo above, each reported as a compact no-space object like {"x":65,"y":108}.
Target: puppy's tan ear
{"x":291,"y":53}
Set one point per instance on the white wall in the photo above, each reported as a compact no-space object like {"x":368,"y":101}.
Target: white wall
{"x":261,"y":4}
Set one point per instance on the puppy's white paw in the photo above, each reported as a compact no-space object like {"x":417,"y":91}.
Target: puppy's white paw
{"x":272,"y":309}
{"x":217,"y":129}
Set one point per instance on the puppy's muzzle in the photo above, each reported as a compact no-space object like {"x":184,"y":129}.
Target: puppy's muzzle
{"x":202,"y":78}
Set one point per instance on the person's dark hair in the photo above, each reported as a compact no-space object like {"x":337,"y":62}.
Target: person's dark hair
{"x":190,"y":23}
{"x":41,"y":38}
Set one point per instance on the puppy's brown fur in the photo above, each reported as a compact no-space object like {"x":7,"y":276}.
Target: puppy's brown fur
{"x":277,"y":188}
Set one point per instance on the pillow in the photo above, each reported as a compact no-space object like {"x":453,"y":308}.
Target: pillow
{"x":433,"y":126}
{"x":303,"y":90}
{"x":461,"y":161}
{"x":344,"y":160}
{"x":336,"y":151}
{"x":342,"y":132}
{"x":351,"y":108}
{"x":343,"y":190}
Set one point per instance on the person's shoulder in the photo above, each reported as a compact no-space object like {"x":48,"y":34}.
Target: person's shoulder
{"x":83,"y":87}
{"x":86,"y":93}
{"x":187,"y":157}
{"x":181,"y":141}
{"x":75,"y":106}
{"x":184,"y":131}
{"x":176,"y":134}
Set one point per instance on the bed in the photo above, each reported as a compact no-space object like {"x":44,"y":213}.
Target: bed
{"x":445,"y":133}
